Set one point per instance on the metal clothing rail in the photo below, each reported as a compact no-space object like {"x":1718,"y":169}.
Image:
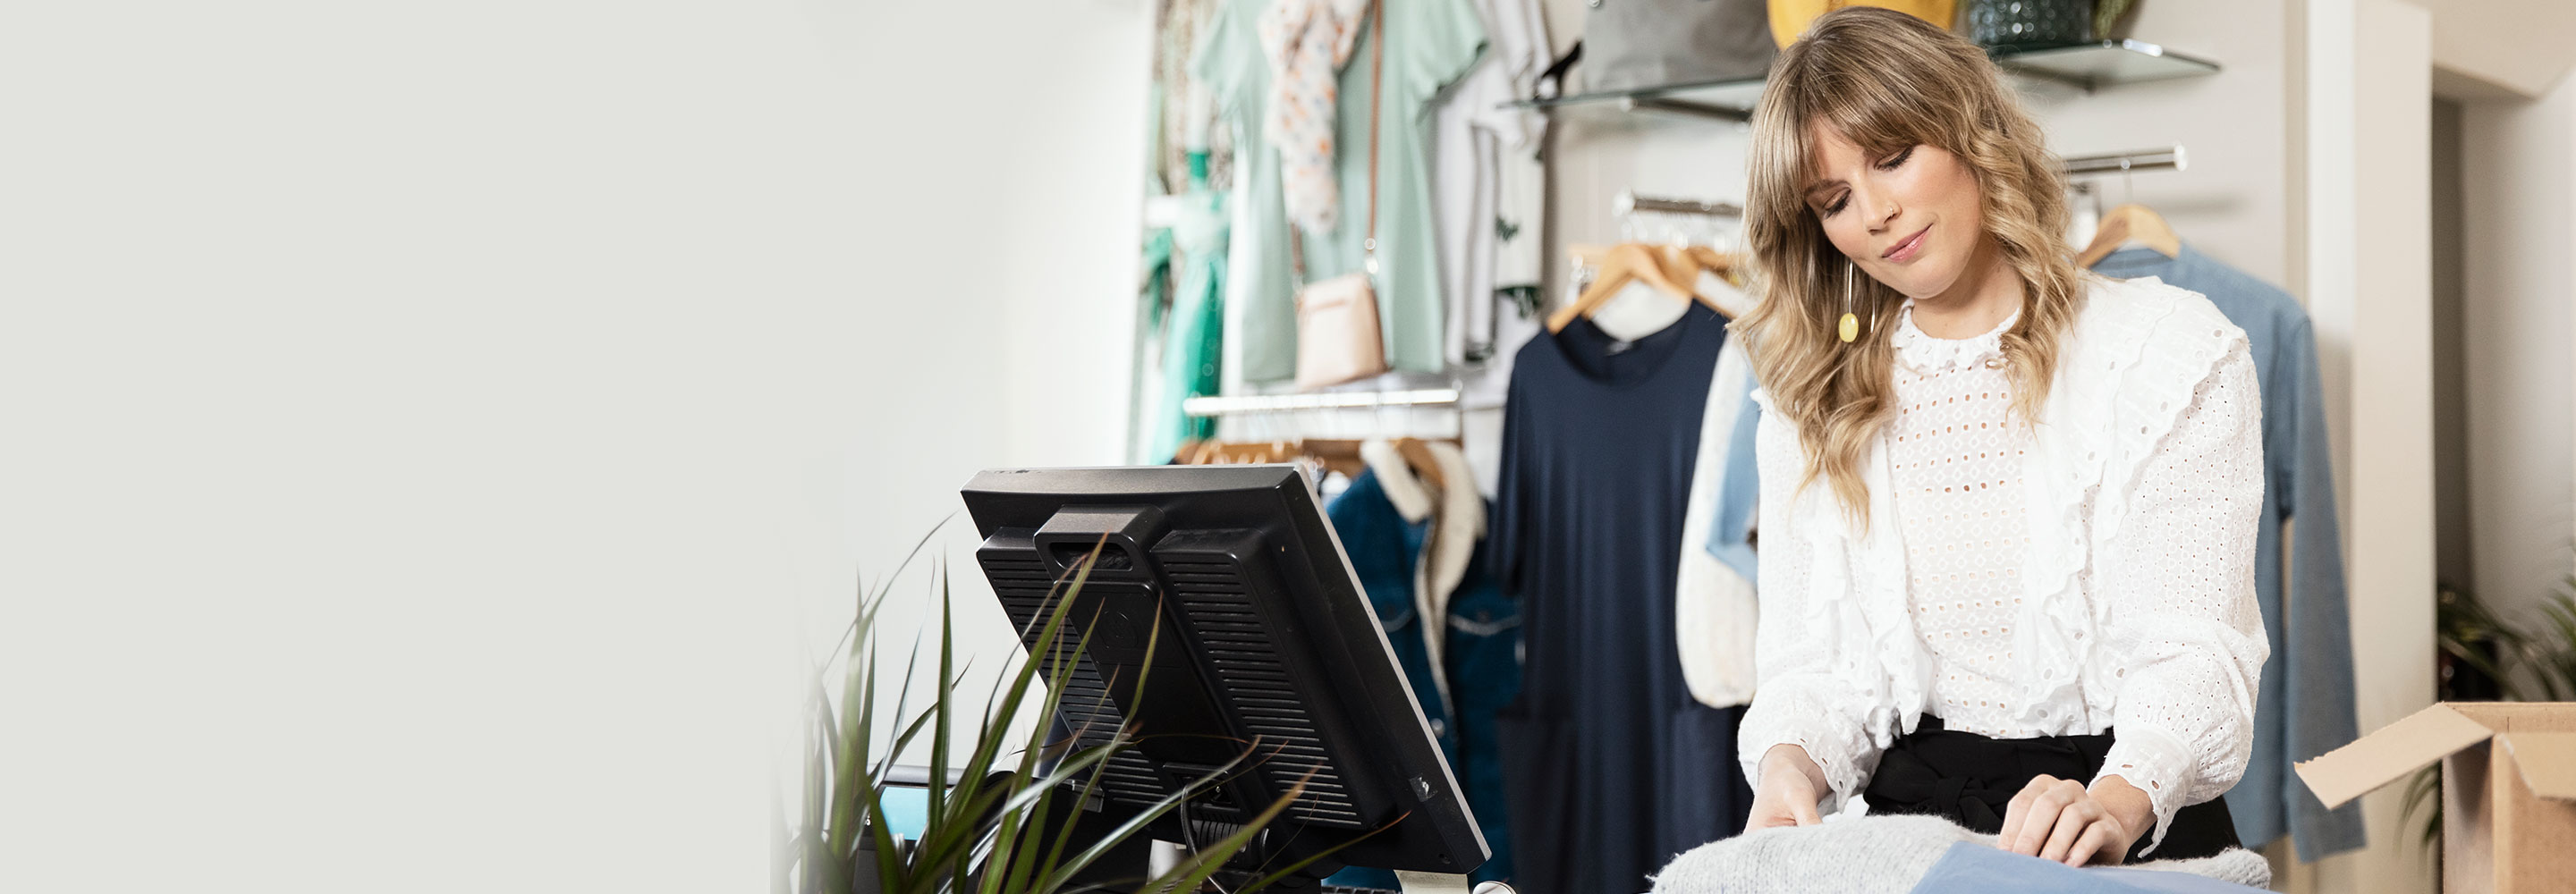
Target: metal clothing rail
{"x":1627,"y":202}
{"x":2170,"y":158}
{"x":1335,"y":400}
{"x":1685,"y":108}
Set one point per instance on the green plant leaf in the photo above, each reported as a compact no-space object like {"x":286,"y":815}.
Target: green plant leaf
{"x":872,"y":597}
{"x":947,"y":666}
{"x":989,"y":833}
{"x":970,"y":801}
{"x":856,"y":726}
{"x":961,"y":835}
{"x":1292,"y":868}
{"x":1137,"y":823}
{"x":988,"y":745}
{"x":1206,"y":862}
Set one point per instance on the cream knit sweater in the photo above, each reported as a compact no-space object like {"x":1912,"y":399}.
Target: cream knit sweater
{"x":1874,"y":853}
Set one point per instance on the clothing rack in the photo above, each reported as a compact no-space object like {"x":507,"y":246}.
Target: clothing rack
{"x":1335,"y":400}
{"x":1685,"y":108}
{"x":2170,"y":158}
{"x":1628,"y":202}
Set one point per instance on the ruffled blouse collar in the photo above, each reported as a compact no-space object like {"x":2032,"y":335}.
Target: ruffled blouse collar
{"x":1926,"y":355}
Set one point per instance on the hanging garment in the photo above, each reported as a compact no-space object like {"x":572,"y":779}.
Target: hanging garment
{"x":1306,"y":43}
{"x":1613,"y":766}
{"x":1195,"y":334}
{"x":1478,"y":142}
{"x":1733,"y":503}
{"x":1414,"y":547}
{"x":2305,"y":706}
{"x":1178,"y":107}
{"x":1153,"y":300}
{"x":1429,"y":44}
{"x":1260,"y":301}
{"x":1520,"y":208}
{"x":1714,"y":605}
{"x":1897,"y":853}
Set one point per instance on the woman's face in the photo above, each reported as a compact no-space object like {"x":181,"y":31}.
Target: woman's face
{"x":1910,"y":219}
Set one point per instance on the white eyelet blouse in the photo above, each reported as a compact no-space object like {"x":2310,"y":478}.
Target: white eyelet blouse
{"x":1959,"y":498}
{"x":2093,"y":572}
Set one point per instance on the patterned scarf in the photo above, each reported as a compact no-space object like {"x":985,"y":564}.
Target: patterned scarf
{"x":1307,"y":41}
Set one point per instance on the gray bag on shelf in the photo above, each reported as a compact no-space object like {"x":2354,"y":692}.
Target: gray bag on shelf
{"x":1633,"y":44}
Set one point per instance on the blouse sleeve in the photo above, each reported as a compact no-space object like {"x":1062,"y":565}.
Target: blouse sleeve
{"x":2184,"y":631}
{"x":1797,"y":698}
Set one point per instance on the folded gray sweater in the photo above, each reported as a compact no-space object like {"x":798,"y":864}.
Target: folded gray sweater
{"x":1873,"y":853}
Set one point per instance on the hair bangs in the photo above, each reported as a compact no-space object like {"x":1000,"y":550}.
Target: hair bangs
{"x":1885,"y":80}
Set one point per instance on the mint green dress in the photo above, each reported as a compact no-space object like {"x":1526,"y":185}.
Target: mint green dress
{"x":1194,"y":333}
{"x":1432,"y":42}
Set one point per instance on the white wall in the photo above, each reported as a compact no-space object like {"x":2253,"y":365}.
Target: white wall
{"x":2519,"y":178}
{"x":2502,"y":47}
{"x":995,"y":287}
{"x":426,"y":425}
{"x":2368,"y":112}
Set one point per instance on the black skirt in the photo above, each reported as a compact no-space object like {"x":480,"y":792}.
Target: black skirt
{"x":1971,"y":779}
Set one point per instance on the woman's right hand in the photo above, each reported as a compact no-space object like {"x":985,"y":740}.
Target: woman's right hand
{"x":1791,"y":783}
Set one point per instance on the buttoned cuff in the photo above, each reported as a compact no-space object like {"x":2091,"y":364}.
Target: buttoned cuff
{"x":1783,"y":715}
{"x":2155,"y":762}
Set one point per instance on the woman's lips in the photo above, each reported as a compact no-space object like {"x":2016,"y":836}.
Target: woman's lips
{"x":1905,"y":251}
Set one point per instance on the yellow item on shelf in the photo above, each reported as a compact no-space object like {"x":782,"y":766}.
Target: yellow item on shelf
{"x":1790,"y":18}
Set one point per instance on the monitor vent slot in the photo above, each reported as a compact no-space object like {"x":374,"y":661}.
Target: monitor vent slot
{"x":1231,"y":638}
{"x":1023,"y":586}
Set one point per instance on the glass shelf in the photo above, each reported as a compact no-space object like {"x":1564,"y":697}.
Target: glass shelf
{"x":2088,"y":66}
{"x":2093,"y":66}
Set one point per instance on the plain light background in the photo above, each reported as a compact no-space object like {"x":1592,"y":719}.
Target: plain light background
{"x":427,"y":431}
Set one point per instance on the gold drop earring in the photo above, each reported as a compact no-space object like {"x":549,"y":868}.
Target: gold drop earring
{"x":1851,"y":320}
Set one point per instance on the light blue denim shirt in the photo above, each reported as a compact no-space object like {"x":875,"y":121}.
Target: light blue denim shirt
{"x":2305,"y":706}
{"x":1738,"y":492}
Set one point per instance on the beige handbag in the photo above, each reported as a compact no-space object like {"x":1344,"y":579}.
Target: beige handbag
{"x":1337,"y":322}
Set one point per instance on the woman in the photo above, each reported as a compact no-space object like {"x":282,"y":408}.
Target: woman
{"x":2008,"y":506}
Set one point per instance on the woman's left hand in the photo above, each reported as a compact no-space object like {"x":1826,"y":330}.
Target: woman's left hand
{"x":2058,"y":819}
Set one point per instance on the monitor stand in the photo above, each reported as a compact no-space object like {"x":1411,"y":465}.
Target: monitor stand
{"x":1445,"y":883}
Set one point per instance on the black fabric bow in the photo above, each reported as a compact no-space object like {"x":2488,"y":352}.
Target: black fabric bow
{"x":1971,"y":779}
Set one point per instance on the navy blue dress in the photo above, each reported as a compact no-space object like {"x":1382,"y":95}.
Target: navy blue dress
{"x":1612,"y":767}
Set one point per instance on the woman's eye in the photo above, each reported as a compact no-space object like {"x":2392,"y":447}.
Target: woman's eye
{"x":1892,"y":163}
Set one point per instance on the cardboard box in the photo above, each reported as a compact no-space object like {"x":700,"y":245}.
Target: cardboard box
{"x":2508,"y":788}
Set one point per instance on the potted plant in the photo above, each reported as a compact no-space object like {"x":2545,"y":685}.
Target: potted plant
{"x":1011,"y":823}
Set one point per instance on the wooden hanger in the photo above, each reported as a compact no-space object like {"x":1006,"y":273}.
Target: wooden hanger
{"x":2127,"y":223}
{"x":1677,"y":265}
{"x":1621,"y":265}
{"x":1728,"y":267}
{"x":1733,"y":302}
{"x":1417,"y":454}
{"x":1684,"y":263}
{"x":1337,"y":455}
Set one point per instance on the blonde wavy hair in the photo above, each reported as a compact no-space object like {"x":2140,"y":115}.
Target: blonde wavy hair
{"x":1886,"y":81}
